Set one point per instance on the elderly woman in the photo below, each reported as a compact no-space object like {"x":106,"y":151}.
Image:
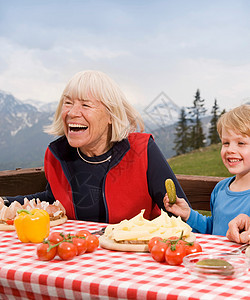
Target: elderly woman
{"x":100,"y":168}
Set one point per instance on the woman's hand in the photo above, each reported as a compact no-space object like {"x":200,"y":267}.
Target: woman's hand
{"x":180,"y":208}
{"x":239,"y":229}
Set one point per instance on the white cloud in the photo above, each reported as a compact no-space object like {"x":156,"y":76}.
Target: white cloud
{"x":147,"y":47}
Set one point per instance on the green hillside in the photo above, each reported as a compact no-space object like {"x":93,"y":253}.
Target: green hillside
{"x":205,"y":161}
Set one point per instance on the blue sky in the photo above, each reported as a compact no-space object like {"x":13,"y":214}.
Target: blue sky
{"x":146,"y":46}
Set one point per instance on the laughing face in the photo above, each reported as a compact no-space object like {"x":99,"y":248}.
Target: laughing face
{"x":87,"y":125}
{"x":235,"y":152}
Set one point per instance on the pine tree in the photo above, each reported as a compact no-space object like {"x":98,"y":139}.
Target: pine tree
{"x":213,"y":134}
{"x":181,"y":134}
{"x":197,"y":137}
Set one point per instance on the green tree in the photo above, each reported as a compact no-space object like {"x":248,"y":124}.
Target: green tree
{"x":197,"y":137}
{"x":181,"y":134}
{"x":213,"y":134}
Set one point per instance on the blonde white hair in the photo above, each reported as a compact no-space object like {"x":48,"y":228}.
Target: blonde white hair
{"x":125,"y":119}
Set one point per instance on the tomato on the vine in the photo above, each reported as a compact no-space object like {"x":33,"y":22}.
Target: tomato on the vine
{"x":175,"y":253}
{"x":193,"y":248}
{"x":153,"y":241}
{"x":43,"y":253}
{"x":55,"y":237}
{"x":92,"y":243}
{"x":67,"y":246}
{"x":81,"y":245}
{"x":66,"y":250}
{"x":158,"y":251}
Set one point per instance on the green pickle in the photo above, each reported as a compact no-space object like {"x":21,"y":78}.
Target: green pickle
{"x":171,"y":191}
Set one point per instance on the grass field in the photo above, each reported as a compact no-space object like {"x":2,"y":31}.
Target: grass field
{"x":205,"y":161}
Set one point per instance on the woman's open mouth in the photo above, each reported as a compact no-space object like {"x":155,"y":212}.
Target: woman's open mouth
{"x":77,"y":127}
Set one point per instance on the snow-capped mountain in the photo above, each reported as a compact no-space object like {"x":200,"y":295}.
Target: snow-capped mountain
{"x":41,"y":106}
{"x":17,"y":115}
{"x":22,"y":140}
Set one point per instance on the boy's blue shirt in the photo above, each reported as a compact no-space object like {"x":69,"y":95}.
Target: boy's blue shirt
{"x":225,"y":205}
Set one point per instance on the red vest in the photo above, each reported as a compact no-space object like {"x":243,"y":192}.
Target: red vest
{"x":126,"y":188}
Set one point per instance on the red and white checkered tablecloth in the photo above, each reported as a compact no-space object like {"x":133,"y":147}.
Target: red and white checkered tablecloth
{"x":106,"y":274}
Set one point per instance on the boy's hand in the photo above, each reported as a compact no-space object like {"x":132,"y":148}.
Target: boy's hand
{"x":180,"y":208}
{"x":239,"y":229}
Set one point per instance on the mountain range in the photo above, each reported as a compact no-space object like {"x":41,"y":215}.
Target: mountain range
{"x":23,"y":142}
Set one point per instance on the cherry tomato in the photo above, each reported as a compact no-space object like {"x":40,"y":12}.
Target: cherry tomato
{"x":158,"y":251}
{"x":83,"y":233}
{"x":153,"y":241}
{"x":67,"y":250}
{"x":81,"y":245}
{"x":175,"y":253}
{"x":55,"y":237}
{"x":92,"y":243}
{"x":193,"y":248}
{"x":43,"y":254}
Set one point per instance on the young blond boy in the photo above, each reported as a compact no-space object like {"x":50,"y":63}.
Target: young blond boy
{"x":230,"y":196}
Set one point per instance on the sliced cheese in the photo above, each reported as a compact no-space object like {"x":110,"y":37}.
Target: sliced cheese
{"x":141,"y":229}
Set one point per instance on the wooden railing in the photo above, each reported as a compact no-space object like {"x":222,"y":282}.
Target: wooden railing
{"x":28,"y":181}
{"x":22,"y":182}
{"x":198,"y":189}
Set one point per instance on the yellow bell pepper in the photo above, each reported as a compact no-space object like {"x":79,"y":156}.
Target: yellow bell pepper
{"x":32,"y":226}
